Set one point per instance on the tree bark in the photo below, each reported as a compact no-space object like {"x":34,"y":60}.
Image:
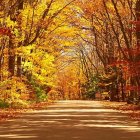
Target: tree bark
{"x":11,"y":58}
{"x":138,"y":45}
{"x":19,"y":58}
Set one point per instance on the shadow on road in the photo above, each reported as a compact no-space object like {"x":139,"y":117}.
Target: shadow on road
{"x":72,"y":120}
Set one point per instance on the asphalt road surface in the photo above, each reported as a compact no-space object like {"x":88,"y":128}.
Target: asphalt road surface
{"x":71,"y":120}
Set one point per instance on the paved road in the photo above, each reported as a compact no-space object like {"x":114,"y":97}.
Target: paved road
{"x":72,"y":120}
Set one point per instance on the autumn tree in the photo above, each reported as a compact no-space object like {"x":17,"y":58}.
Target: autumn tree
{"x":113,"y":39}
{"x":30,"y":42}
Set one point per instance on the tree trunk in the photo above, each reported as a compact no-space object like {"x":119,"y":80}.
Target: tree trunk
{"x":11,"y":58}
{"x":138,"y":25}
{"x":19,"y":58}
{"x":138,"y":46}
{"x":19,"y":66}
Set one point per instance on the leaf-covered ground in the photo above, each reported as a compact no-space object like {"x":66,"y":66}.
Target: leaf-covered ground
{"x":132,"y":110}
{"x":11,"y":113}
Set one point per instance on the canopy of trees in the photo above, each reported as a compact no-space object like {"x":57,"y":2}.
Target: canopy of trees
{"x":69,"y":49}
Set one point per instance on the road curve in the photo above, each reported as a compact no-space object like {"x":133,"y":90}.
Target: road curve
{"x":71,"y":120}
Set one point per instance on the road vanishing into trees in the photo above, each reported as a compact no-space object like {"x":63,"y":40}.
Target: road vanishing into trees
{"x":72,"y":120}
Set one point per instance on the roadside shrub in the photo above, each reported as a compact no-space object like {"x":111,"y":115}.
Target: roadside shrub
{"x":3,"y":104}
{"x":40,"y":94}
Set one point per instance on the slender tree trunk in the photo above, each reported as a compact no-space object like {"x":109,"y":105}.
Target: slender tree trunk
{"x":19,"y":58}
{"x":11,"y":58}
{"x":19,"y":70}
{"x":138,"y":45}
{"x":138,"y":25}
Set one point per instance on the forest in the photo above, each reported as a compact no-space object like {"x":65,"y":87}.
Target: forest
{"x":69,"y":50}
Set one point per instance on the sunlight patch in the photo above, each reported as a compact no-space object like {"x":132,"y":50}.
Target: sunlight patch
{"x":16,"y":136}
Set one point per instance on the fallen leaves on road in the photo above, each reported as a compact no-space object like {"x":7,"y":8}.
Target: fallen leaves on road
{"x":133,"y":111}
{"x":10,"y":113}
